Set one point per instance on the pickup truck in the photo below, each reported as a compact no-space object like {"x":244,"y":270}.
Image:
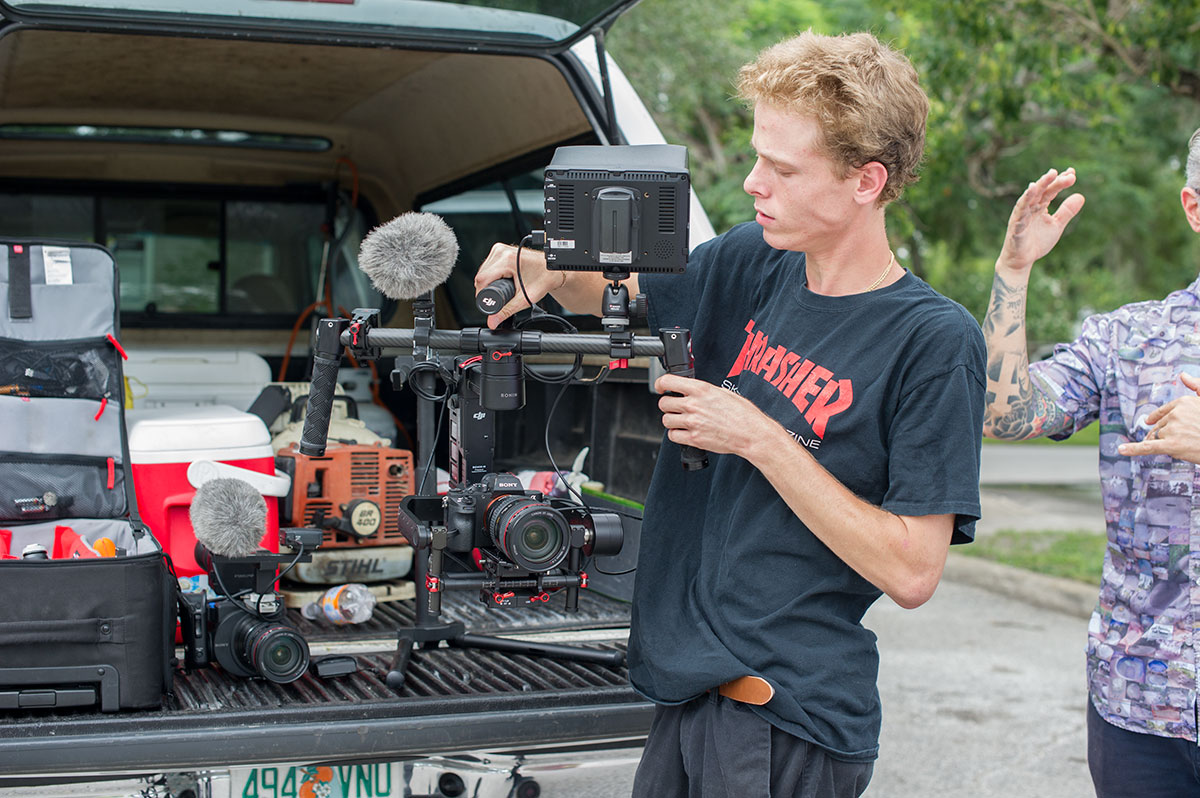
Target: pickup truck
{"x":232,"y":155}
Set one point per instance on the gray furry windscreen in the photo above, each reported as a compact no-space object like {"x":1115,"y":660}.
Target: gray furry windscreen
{"x":409,"y":256}
{"x":229,"y":516}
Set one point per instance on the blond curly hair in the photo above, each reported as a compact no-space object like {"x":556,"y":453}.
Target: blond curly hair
{"x":864,"y":95}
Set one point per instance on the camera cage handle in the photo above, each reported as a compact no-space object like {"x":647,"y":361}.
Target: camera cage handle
{"x":677,"y":359}
{"x":327,"y":358}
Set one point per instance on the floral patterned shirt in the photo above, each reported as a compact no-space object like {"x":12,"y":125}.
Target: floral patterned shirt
{"x":1141,"y":649}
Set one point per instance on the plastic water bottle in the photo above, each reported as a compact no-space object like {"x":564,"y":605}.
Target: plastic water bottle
{"x":351,"y":603}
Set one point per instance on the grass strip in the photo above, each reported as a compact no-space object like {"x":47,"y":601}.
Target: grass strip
{"x":1077,"y":555}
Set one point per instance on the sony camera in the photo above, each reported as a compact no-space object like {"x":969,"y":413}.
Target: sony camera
{"x":526,"y":545}
{"x":243,"y":628}
{"x":520,"y":530}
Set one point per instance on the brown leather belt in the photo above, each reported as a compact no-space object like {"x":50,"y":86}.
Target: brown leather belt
{"x":748,"y":690}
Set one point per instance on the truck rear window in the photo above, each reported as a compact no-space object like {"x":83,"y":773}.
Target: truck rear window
{"x":208,"y":257}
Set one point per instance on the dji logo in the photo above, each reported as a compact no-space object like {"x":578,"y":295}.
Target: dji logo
{"x":480,"y":416}
{"x":487,"y":300}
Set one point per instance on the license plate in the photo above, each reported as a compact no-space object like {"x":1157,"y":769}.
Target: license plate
{"x":377,"y":780}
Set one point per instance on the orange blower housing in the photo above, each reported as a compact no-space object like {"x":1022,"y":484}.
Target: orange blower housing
{"x":353,"y":493}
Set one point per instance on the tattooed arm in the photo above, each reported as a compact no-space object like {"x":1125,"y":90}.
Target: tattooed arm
{"x":1016,"y":407}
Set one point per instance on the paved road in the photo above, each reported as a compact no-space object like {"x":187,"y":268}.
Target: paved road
{"x":1038,"y":464}
{"x":983,"y":696}
{"x":982,"y":687}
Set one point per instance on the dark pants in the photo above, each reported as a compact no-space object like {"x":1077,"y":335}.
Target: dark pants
{"x":714,"y":747}
{"x":1127,"y":764}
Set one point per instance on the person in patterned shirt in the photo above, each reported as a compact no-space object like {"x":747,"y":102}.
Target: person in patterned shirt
{"x":1137,"y":371}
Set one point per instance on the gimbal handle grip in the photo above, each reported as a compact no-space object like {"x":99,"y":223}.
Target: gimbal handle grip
{"x":677,"y":359}
{"x":327,"y":358}
{"x":495,"y":295}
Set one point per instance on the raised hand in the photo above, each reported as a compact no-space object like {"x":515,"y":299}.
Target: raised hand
{"x":1032,"y":230}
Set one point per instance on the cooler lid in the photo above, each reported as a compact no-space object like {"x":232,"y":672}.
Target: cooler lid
{"x":215,"y":432}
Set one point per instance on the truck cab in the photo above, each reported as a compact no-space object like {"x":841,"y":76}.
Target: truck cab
{"x":232,"y":155}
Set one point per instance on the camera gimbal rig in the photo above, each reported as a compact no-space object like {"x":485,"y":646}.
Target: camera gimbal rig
{"x":423,"y":513}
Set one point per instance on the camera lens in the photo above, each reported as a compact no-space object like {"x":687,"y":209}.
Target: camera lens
{"x":276,"y":653}
{"x":246,"y":645}
{"x":531,"y":533}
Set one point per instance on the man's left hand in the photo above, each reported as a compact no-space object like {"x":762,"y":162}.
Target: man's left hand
{"x":1174,"y":428}
{"x":709,"y":417}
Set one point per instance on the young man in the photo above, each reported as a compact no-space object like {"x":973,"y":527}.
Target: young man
{"x":1135,"y":369}
{"x":840,"y":398}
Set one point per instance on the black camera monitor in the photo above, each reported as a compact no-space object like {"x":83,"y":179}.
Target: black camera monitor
{"x":621,"y":208}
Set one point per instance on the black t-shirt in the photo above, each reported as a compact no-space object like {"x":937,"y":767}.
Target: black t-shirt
{"x":885,"y":389}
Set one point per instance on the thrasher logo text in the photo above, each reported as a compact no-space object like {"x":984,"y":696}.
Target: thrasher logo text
{"x":811,"y":388}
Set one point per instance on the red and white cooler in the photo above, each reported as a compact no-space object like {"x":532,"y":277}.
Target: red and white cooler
{"x":175,"y":450}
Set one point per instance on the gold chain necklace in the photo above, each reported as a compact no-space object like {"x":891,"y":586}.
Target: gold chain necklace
{"x":886,"y":269}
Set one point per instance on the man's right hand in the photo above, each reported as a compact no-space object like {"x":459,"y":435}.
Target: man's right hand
{"x":538,"y":280}
{"x":1032,"y":230}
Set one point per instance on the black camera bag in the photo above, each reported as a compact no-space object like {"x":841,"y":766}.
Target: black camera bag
{"x":85,"y":632}
{"x":74,"y":631}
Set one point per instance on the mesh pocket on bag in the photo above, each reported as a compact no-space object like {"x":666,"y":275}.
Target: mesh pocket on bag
{"x":61,"y":369}
{"x":36,"y":488}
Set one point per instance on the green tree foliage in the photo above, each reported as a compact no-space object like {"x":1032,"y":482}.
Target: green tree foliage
{"x":1017,"y":86}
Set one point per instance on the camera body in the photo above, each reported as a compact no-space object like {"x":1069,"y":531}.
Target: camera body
{"x":242,"y":641}
{"x":526,"y":545}
{"x":243,"y":628}
{"x":513,"y":526}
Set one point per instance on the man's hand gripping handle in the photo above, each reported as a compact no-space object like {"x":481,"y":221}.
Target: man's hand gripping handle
{"x":677,"y":359}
